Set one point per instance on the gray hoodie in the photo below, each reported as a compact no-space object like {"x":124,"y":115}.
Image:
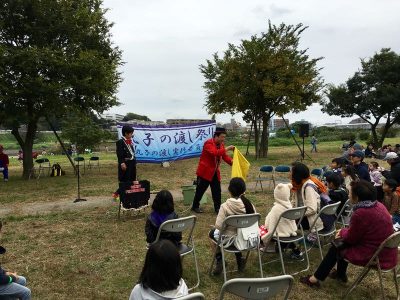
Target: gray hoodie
{"x":140,"y":293}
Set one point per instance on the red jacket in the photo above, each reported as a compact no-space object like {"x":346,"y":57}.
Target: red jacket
{"x":210,"y":158}
{"x":369,"y":227}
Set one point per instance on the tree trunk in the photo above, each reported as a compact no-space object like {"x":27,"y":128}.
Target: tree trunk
{"x":384,"y":132}
{"x":249,"y":139}
{"x":375,"y":138}
{"x":264,"y":137}
{"x":256,"y":136}
{"x":26,"y":146}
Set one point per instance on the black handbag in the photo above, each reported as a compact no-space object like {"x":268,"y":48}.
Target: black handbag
{"x":339,"y":244}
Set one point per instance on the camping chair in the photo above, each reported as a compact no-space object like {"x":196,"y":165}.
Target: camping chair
{"x":180,"y":225}
{"x":282,"y":173}
{"x":329,"y":210}
{"x":392,"y":241}
{"x":194,"y":296}
{"x":317,"y":173}
{"x":237,"y":221}
{"x":44,"y":164}
{"x":258,"y":288}
{"x":295,"y":214}
{"x":262,"y":176}
{"x":79,"y":160}
{"x":343,"y":217}
{"x":94,"y":161}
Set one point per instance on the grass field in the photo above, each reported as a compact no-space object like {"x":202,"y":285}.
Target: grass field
{"x":88,"y":254}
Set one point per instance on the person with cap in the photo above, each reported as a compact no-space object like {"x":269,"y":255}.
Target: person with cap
{"x":4,"y":162}
{"x":352,"y":147}
{"x":126,"y":156}
{"x":208,"y":173}
{"x":359,"y":165}
{"x":394,"y":161}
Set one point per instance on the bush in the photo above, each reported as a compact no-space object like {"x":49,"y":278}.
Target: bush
{"x":364,"y":135}
{"x":347,"y":136}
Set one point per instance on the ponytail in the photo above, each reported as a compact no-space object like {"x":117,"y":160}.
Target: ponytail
{"x":247,"y":205}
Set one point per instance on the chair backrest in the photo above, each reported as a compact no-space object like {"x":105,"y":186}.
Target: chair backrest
{"x":345,"y":206}
{"x":316,"y":172}
{"x":42,"y":160}
{"x":392,"y":241}
{"x":282,"y":169}
{"x":241,"y":221}
{"x":94,"y":158}
{"x":296,"y":213}
{"x":267,"y":169}
{"x":258,"y":288}
{"x":329,"y":209}
{"x":193,"y":296}
{"x":79,"y":158}
{"x":178,"y":225}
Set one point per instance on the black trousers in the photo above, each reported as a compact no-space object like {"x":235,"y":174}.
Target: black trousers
{"x":202,"y":186}
{"x":129,"y":174}
{"x":330,"y":260}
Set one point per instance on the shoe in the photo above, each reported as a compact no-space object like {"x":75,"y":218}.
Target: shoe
{"x":5,"y":180}
{"x":306,"y":281}
{"x":218,"y":268}
{"x":334,"y":275}
{"x":296,"y":255}
{"x":241,"y":264}
{"x":197,"y":210}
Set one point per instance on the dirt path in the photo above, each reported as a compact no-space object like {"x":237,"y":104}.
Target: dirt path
{"x":63,"y":205}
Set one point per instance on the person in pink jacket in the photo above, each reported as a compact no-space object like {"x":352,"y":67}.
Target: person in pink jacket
{"x":361,"y":239}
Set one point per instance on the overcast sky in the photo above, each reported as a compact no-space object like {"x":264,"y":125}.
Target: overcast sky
{"x":165,"y":41}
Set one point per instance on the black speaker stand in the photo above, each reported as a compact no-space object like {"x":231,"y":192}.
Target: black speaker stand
{"x":79,"y":199}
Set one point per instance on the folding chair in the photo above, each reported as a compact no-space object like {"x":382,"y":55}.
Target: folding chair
{"x":317,"y":173}
{"x":345,"y":215}
{"x":328,"y":210}
{"x":94,"y":161}
{"x":262,"y":176}
{"x":237,"y":221}
{"x":180,"y":225}
{"x":258,"y":288}
{"x":79,"y":160}
{"x":194,"y":296}
{"x":392,"y":241}
{"x":282,"y":173}
{"x":44,"y":164}
{"x":295,"y":214}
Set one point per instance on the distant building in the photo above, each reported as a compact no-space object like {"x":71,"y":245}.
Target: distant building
{"x":357,"y":121}
{"x":142,"y":122}
{"x":275,"y":124}
{"x":185,"y":121}
{"x":113,"y":117}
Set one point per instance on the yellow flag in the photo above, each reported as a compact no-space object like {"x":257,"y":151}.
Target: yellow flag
{"x":240,"y":165}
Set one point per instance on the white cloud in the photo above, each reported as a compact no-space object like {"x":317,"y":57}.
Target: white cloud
{"x":164,"y":42}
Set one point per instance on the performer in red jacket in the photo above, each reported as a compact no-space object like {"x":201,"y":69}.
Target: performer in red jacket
{"x":208,"y":173}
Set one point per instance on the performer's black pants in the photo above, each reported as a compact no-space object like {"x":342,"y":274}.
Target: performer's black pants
{"x":330,"y":260}
{"x":202,"y":186}
{"x":129,"y":174}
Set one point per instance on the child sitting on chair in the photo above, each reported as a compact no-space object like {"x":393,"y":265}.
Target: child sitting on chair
{"x":163,"y":210}
{"x":285,"y":227}
{"x":336,"y":192}
{"x":337,"y":165}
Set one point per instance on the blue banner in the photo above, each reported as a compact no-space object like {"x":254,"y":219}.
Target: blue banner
{"x":161,"y":143}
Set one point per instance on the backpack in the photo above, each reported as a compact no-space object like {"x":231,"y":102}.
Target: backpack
{"x":325,"y":200}
{"x":56,"y":170}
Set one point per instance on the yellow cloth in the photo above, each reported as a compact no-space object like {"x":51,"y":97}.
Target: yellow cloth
{"x":240,"y":165}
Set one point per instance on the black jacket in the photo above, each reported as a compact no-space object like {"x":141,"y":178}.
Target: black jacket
{"x":339,"y":195}
{"x":5,"y":279}
{"x":123,"y":151}
{"x":154,"y":221}
{"x":362,"y":171}
{"x":394,"y":172}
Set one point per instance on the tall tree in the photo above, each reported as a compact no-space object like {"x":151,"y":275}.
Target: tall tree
{"x":132,"y":116}
{"x":373,"y":94}
{"x":54,"y":55}
{"x":264,"y":76}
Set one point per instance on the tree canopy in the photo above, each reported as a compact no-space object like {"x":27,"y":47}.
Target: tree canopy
{"x":372,"y":93}
{"x":132,"y":116}
{"x":54,"y":55}
{"x":266,"y":75}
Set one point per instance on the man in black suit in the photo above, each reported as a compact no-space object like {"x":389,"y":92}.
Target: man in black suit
{"x":126,"y":156}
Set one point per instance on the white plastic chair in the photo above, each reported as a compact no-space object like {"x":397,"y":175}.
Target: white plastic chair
{"x":194,"y":296}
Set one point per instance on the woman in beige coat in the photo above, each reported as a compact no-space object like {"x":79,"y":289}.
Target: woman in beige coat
{"x":238,"y":204}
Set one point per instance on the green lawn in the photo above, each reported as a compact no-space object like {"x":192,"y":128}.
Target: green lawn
{"x":90,"y":255}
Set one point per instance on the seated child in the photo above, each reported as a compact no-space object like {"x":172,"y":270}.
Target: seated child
{"x":391,"y":199}
{"x":163,"y":210}
{"x":12,"y":286}
{"x":285,"y":228}
{"x":375,"y":172}
{"x":336,"y":192}
{"x":161,"y":276}
{"x":337,"y":165}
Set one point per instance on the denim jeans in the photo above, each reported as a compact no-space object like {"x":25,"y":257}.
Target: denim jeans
{"x":16,"y":289}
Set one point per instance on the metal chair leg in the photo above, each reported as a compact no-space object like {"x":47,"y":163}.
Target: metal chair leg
{"x":197,"y":268}
{"x":356,"y":282}
{"x":396,"y":283}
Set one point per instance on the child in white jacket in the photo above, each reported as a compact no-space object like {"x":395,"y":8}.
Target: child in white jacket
{"x":285,"y":227}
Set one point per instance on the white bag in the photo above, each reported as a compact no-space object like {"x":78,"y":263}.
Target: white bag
{"x":248,"y":237}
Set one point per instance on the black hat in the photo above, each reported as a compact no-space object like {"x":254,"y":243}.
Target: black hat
{"x":127,"y":129}
{"x":220,"y":130}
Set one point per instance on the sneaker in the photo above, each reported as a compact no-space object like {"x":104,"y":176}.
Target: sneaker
{"x":197,"y":210}
{"x":218,"y":268}
{"x":6,"y":180}
{"x":334,"y":275}
{"x":241,"y":264}
{"x":296,"y":255}
{"x":306,"y":281}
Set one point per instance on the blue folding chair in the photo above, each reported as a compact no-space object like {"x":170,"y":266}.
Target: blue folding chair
{"x":266,"y":173}
{"x":281,"y":172}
